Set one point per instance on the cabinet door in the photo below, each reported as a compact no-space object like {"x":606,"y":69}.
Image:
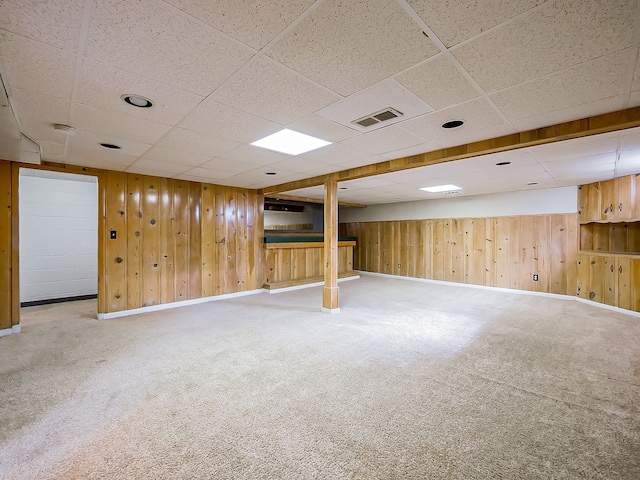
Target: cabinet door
{"x":583,"y":275}
{"x":609,"y":278}
{"x":625,"y":207}
{"x":608,"y":206}
{"x":629,"y":283}
{"x":589,"y":202}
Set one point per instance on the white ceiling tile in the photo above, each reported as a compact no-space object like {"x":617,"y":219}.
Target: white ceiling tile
{"x":601,"y":78}
{"x":42,"y":132}
{"x":251,"y":22}
{"x":36,"y":107}
{"x":90,"y":142}
{"x":158,"y":41}
{"x":208,"y":173}
{"x":147,"y":166}
{"x":480,"y":122}
{"x":576,"y":148}
{"x":631,"y":139}
{"x":408,"y":152}
{"x":454,"y":22}
{"x":90,"y":154}
{"x":584,"y":110}
{"x":171,"y":155}
{"x":228,"y":166}
{"x":629,"y":163}
{"x":54,"y":22}
{"x":603,"y":163}
{"x":50,"y":149}
{"x":269,"y":90}
{"x":301,"y":165}
{"x":636,"y":75}
{"x":385,"y":140}
{"x":255,"y":155}
{"x":372,"y":100}
{"x":634,"y":99}
{"x":319,"y":127}
{"x":196,"y":142}
{"x":103,"y":86}
{"x":213,"y":118}
{"x":58,"y":64}
{"x":348,"y":46}
{"x":336,"y":154}
{"x":53,"y":158}
{"x":438,"y":82}
{"x":559,"y":34}
{"x":97,"y":120}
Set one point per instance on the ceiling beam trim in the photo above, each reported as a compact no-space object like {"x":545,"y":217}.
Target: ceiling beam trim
{"x":609,"y":122}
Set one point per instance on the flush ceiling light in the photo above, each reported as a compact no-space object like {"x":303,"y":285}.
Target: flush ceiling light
{"x":441,"y":188}
{"x":137,"y":101}
{"x":290,"y":142}
{"x":452,"y":124}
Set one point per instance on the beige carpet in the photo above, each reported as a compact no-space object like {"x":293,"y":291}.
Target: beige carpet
{"x":410,"y":381}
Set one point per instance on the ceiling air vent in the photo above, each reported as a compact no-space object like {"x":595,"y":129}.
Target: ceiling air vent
{"x":378,"y":117}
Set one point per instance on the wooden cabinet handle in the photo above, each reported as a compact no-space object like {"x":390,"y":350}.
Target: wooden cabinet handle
{"x":611,"y":268}
{"x":620,"y":269}
{"x":620,"y":207}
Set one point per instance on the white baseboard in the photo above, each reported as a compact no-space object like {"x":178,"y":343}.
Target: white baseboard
{"x":10,"y":331}
{"x":184,"y":303}
{"x":469,"y":285}
{"x":309,"y":285}
{"x":507,"y":290}
{"x":330,"y":310}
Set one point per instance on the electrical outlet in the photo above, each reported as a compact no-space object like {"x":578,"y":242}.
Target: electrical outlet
{"x":535,"y":277}
{"x":399,"y":266}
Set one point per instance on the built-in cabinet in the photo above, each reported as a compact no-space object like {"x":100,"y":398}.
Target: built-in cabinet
{"x":609,"y":255}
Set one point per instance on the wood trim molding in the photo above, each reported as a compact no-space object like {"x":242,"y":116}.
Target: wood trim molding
{"x":281,"y":196}
{"x":609,"y":122}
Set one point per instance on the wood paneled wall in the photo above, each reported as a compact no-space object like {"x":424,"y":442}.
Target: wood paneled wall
{"x":178,"y":240}
{"x":498,"y":251}
{"x":175,"y":240}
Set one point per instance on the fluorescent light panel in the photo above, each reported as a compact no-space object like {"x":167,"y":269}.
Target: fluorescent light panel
{"x":441,"y":188}
{"x":290,"y":142}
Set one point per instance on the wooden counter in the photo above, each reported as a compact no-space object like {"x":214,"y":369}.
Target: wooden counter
{"x":295,"y":262}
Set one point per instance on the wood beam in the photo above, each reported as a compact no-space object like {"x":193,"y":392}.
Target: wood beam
{"x":281,"y":196}
{"x":609,"y":122}
{"x":330,"y":292}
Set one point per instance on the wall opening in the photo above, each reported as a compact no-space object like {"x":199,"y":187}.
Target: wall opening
{"x":58,"y":237}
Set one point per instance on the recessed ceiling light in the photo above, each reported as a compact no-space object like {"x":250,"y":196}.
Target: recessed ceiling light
{"x":270,"y":173}
{"x":500,"y":164}
{"x":452,"y":124}
{"x":111,"y":146}
{"x":137,"y":101}
{"x":290,"y":142}
{"x":66,"y":129}
{"x":532,"y":183}
{"x":441,"y":188}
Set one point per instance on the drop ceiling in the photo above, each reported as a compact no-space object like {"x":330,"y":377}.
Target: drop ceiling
{"x":223,"y":74}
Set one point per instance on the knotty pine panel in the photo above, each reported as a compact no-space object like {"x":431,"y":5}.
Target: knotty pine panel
{"x":167,"y":241}
{"x":181,"y":239}
{"x":208,"y":241}
{"x":134,"y":241}
{"x":5,"y":244}
{"x":498,"y":251}
{"x":151,"y":240}
{"x":116,"y":249}
{"x":195,"y":241}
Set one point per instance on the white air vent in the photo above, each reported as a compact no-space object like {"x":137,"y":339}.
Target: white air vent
{"x":454,"y":192}
{"x":378,"y":117}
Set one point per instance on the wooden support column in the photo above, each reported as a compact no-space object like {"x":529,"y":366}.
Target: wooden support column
{"x":330,"y":294}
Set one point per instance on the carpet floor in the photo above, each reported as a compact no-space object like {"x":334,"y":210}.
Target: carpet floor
{"x":410,"y":381}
